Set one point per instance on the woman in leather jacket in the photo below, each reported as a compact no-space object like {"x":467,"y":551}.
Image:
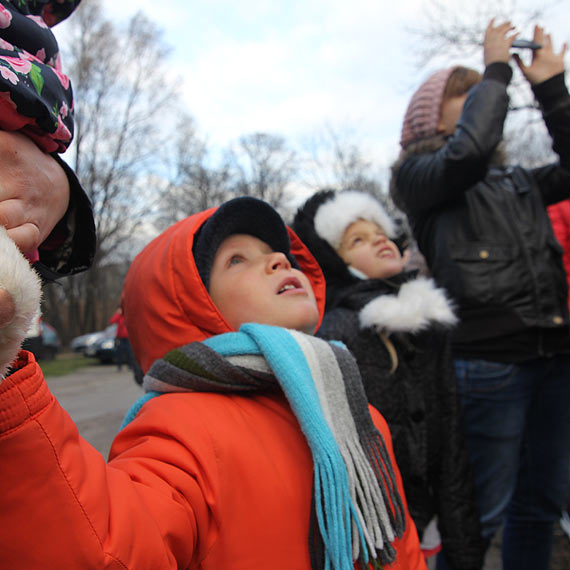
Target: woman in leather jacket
{"x":484,"y":231}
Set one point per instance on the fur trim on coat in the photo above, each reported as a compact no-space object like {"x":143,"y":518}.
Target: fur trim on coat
{"x":333,"y":216}
{"x":417,"y":305}
{"x":22,"y":283}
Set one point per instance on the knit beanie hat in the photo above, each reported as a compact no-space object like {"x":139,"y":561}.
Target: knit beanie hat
{"x":244,"y":215}
{"x":424,"y":109}
{"x":344,"y":208}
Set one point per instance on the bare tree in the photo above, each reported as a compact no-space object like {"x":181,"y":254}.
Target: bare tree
{"x":333,"y":159}
{"x":194,"y":185}
{"x":451,"y":31}
{"x":263,"y":166}
{"x":122,"y":99}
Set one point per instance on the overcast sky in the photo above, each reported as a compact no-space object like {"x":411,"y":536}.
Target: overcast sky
{"x":291,"y":66}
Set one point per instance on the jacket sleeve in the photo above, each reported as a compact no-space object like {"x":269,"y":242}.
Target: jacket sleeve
{"x":458,"y":517}
{"x":554,"y":100}
{"x":62,"y":506}
{"x":560,"y":220}
{"x":70,"y":248}
{"x":430,"y":180}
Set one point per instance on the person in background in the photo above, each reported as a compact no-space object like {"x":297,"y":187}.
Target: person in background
{"x":560,"y":218}
{"x":122,"y":345}
{"x":397,"y":325}
{"x":559,"y":215}
{"x":484,"y":231}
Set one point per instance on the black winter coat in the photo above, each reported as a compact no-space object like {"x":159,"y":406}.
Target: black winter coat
{"x":484,"y":231}
{"x":419,"y":402}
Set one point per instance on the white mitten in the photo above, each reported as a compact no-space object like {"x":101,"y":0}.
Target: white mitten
{"x":23,"y":285}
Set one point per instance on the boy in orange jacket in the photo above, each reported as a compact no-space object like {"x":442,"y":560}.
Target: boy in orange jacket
{"x":253,"y":447}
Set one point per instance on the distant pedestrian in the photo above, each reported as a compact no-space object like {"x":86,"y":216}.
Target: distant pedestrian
{"x":123,"y":352}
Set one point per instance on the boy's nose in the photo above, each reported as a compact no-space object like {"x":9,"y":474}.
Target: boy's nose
{"x":277,"y":260}
{"x":380,"y":238}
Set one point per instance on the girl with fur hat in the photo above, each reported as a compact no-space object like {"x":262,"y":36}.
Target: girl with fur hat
{"x":254,"y":446}
{"x":397,"y":325}
{"x":483,"y":229}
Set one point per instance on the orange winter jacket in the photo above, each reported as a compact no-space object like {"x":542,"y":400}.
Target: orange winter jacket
{"x":197,"y":481}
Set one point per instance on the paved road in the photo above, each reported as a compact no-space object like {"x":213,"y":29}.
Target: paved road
{"x":98,"y":397}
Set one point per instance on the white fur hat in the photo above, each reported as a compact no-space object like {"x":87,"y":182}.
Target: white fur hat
{"x":345,"y":208}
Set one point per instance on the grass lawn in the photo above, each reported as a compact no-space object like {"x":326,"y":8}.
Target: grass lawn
{"x":65,"y":363}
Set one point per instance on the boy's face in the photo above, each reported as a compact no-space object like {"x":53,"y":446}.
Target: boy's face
{"x":249,"y":282}
{"x":366,"y":247}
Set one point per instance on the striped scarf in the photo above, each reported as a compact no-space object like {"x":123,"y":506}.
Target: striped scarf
{"x":356,"y":505}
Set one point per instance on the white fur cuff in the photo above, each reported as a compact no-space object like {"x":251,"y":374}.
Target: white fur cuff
{"x":19,"y":279}
{"x":417,"y":304}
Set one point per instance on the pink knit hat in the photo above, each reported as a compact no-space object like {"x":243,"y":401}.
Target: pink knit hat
{"x":424,"y":110}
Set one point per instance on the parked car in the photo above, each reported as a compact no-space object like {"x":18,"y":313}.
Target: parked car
{"x":87,"y":343}
{"x":106,"y":349}
{"x":51,"y":343}
{"x":107,"y":334}
{"x":42,"y":341}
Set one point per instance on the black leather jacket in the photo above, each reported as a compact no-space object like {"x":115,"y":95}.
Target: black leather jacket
{"x":484,"y":231}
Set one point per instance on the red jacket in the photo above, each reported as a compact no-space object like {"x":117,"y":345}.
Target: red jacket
{"x":195,"y":481}
{"x":560,"y":218}
{"x":119,"y":319}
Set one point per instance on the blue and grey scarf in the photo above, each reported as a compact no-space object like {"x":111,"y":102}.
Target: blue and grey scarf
{"x":356,"y":505}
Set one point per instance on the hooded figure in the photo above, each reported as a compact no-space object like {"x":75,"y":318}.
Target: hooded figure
{"x":397,"y":328}
{"x":228,"y":461}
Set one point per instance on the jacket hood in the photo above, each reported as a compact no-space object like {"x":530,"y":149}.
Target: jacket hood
{"x":334,"y":268}
{"x":165,"y":302}
{"x":339,"y":209}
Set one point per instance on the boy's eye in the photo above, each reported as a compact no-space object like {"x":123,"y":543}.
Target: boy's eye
{"x":356,"y":240}
{"x":234,"y":260}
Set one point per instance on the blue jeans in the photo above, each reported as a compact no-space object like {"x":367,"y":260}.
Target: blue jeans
{"x":517,"y":430}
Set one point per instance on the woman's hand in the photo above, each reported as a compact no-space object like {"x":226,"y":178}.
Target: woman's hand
{"x":545,"y":62}
{"x":34,"y":191}
{"x":497,"y":42}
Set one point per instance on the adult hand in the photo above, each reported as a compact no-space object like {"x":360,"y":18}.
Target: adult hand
{"x":34,"y":191}
{"x":545,"y":63}
{"x":497,"y":42}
